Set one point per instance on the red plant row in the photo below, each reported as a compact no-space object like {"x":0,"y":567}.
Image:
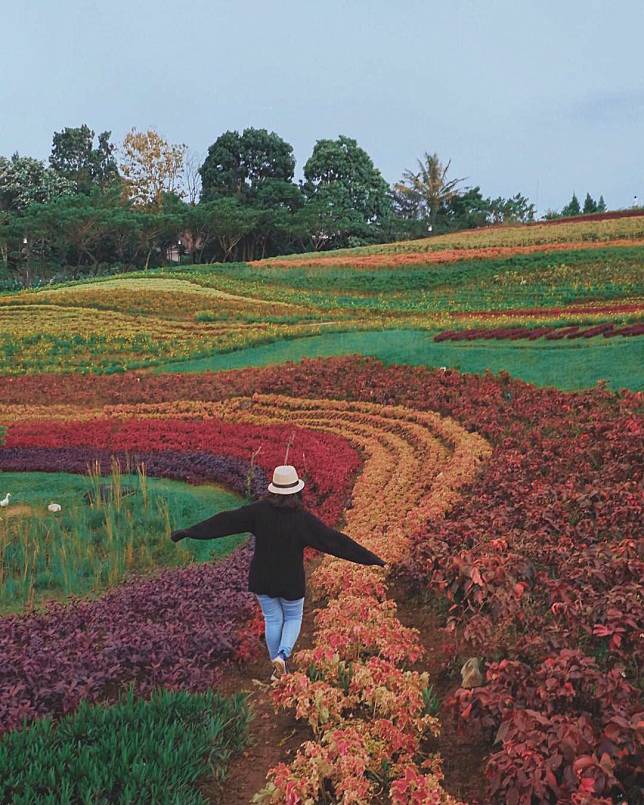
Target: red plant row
{"x":611,"y":308}
{"x":532,"y":333}
{"x":173,"y":630}
{"x":539,"y":558}
{"x":594,"y":216}
{"x":326,"y":461}
{"x":446,"y":255}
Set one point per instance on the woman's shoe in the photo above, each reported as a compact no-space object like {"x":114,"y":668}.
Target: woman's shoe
{"x":279,"y":666}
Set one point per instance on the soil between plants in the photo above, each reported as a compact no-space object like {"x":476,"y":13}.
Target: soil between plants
{"x":275,"y":736}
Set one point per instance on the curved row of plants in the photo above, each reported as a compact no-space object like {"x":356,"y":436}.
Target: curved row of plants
{"x":536,"y":565}
{"x":369,"y":715}
{"x":174,"y":629}
{"x":538,"y":568}
{"x":607,"y":330}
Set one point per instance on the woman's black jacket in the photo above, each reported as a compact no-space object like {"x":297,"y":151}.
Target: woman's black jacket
{"x":277,"y":566}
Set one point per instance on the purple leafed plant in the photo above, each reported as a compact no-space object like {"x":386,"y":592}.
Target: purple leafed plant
{"x":173,"y":630}
{"x":194,"y":468}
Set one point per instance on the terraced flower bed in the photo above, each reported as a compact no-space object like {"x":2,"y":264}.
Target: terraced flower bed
{"x":607,"y":330}
{"x":511,"y":513}
{"x":505,"y":538}
{"x":587,"y":232}
{"x":580,"y":273}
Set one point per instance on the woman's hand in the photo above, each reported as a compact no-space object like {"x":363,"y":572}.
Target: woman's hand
{"x":177,"y":535}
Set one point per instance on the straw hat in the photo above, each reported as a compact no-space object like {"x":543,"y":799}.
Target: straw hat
{"x":285,"y":481}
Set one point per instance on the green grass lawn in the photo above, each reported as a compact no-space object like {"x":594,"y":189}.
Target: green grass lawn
{"x":569,"y":365}
{"x":83,"y":549}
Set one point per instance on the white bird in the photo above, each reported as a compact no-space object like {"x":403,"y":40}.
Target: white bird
{"x":443,"y":368}
{"x":54,"y":507}
{"x":5,"y":500}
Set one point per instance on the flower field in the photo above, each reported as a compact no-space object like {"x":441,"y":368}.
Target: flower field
{"x":508,"y":511}
{"x":551,"y":333}
{"x":604,"y":229}
{"x":574,"y":273}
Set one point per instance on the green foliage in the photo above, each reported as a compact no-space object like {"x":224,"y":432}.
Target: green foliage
{"x":469,"y":209}
{"x":25,"y":181}
{"x":422,"y":193}
{"x":516,"y":209}
{"x":590,"y":205}
{"x":431,"y":701}
{"x":84,"y":549}
{"x":464,"y":210}
{"x":239,"y":164}
{"x":572,"y":208}
{"x":226,"y":221}
{"x":428,"y":196}
{"x":132,"y":752}
{"x":328,"y":219}
{"x":567,"y":365}
{"x":73,"y":156}
{"x":345,"y":174}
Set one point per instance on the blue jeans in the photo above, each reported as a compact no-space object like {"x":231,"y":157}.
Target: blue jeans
{"x":282,"y":623}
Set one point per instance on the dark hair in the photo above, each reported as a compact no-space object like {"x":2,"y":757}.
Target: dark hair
{"x":292,"y":501}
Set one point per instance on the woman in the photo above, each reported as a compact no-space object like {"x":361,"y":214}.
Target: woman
{"x":282,"y":529}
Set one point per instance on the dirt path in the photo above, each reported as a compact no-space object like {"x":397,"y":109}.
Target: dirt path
{"x":275,"y":735}
{"x":463,"y":753}
{"x":432,"y":454}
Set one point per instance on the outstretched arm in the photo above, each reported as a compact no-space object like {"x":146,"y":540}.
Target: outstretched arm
{"x":318,"y":535}
{"x":234,"y":521}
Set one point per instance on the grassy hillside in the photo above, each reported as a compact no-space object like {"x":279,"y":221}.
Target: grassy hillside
{"x":585,"y":272}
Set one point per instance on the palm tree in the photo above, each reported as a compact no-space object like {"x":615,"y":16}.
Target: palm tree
{"x":422,"y":193}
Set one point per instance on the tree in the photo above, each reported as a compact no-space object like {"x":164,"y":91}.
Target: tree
{"x":73,"y":156}
{"x":601,"y":205}
{"x":72,"y":226}
{"x":345,"y":170}
{"x":423,"y":192}
{"x":274,"y":201}
{"x":328,"y":220}
{"x":572,"y":208}
{"x":151,"y":166}
{"x":155,"y":230}
{"x":465,"y":210}
{"x":192,"y":178}
{"x":5,"y":233}
{"x":228,"y":221}
{"x":514,"y":210}
{"x":25,"y":181}
{"x":590,"y":205}
{"x":238,"y":164}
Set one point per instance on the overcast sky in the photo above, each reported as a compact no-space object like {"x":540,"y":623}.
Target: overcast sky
{"x":538,"y":96}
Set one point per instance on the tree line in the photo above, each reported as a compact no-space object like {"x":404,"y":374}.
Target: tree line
{"x":94,"y":206}
{"x":573,"y":207}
